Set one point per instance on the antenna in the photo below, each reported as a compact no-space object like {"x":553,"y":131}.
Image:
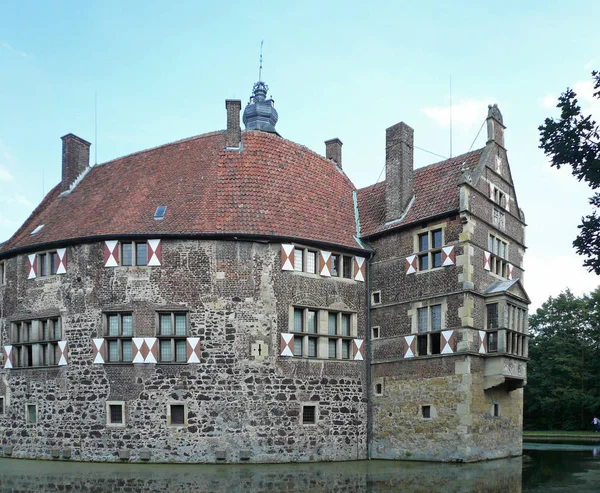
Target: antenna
{"x":450,"y":115}
{"x":95,"y":128}
{"x":260,"y":69}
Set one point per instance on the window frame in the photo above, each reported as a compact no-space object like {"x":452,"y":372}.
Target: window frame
{"x":109,"y":422}
{"x":120,"y":338}
{"x":498,"y":262}
{"x":376,"y":297}
{"x":33,"y":341}
{"x":28,"y":406}
{"x":2,"y":273}
{"x":173,"y":338}
{"x":170,"y":423}
{"x":2,"y":406}
{"x":135,"y":254}
{"x":428,"y":247}
{"x":315,"y":414}
{"x":376,"y":332}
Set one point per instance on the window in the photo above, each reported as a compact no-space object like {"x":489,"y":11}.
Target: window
{"x":375,"y":331}
{"x":1,"y":406}
{"x":492,"y":316}
{"x":500,"y":197}
{"x":177,"y":414}
{"x":430,"y":318}
{"x":492,"y":342}
{"x":134,"y":253}
{"x":172,"y":334}
{"x":429,"y":246}
{"x":35,"y":342}
{"x":31,"y":413}
{"x":376,"y":298}
{"x":2,"y":272}
{"x":335,"y":265}
{"x":426,"y":412}
{"x":331,"y":339}
{"x":496,"y":410}
{"x":342,"y":266}
{"x":309,"y":415}
{"x":115,"y":413}
{"x":378,"y":389}
{"x":118,"y":337}
{"x":347,"y":267}
{"x":427,"y":323}
{"x":160,"y":212}
{"x":305,"y":260}
{"x":499,"y":256}
{"x":47,"y":263}
{"x":516,"y":318}
{"x":299,"y":259}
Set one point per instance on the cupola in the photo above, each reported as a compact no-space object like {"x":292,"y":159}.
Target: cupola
{"x":260,"y":112}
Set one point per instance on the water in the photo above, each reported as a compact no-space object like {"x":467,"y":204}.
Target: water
{"x":547,"y":468}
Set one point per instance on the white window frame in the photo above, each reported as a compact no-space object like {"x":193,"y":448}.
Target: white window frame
{"x":108,"y":415}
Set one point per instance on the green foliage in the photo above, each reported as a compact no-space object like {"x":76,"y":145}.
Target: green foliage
{"x":574,"y":140}
{"x":563,"y":374}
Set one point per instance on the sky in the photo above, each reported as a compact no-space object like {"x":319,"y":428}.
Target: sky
{"x":160,"y":72}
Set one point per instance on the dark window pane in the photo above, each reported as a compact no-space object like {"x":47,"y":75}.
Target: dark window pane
{"x":335,"y":265}
{"x":492,"y":342}
{"x":436,"y":238}
{"x":436,"y":259}
{"x":309,"y":415}
{"x":424,"y":242}
{"x":42,"y":264}
{"x":116,"y":414}
{"x":423,"y":262}
{"x":345,"y":349}
{"x":141,"y":254}
{"x":127,"y":254}
{"x":422,"y":345}
{"x":177,"y":414}
{"x":53,"y":262}
{"x":492,"y":316}
{"x":435,"y":343}
{"x":426,"y":411}
{"x":347,"y":267}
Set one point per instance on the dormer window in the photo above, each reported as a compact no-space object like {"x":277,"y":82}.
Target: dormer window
{"x":160,"y":212}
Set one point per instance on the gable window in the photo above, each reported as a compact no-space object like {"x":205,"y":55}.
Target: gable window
{"x":172,"y":333}
{"x":118,"y":336}
{"x":499,"y":256}
{"x":429,"y":247}
{"x":134,"y":253}
{"x":35,"y":342}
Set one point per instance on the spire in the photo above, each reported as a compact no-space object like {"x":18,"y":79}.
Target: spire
{"x":260,"y":112}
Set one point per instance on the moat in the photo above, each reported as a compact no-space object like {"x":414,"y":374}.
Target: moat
{"x":543,"y":467}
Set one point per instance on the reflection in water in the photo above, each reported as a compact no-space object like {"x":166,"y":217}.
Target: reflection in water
{"x":364,"y":476}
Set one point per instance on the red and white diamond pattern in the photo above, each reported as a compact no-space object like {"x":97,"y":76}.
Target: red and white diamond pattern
{"x":32,"y":264}
{"x":325,"y":263}
{"x":287,"y":343}
{"x":63,"y":351}
{"x":447,"y":342}
{"x":154,"y":252}
{"x":193,"y":350}
{"x":7,"y":357}
{"x":482,"y":343}
{"x":111,"y":253}
{"x":145,"y":349}
{"x":358,"y":349}
{"x":98,"y":351}
{"x":487,"y":265}
{"x":448,"y":256}
{"x":409,"y":346}
{"x":411,"y":264}
{"x":287,"y":257}
{"x":359,"y":269}
{"x":62,"y":261}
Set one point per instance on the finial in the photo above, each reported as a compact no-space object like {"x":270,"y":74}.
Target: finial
{"x":260,"y":68}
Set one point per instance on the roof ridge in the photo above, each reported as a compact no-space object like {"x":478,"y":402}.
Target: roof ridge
{"x":450,"y":159}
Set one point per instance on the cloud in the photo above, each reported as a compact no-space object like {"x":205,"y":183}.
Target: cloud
{"x":549,"y":101}
{"x":466,"y":113}
{"x":542,"y":282}
{"x":5,"y":175}
{"x":7,"y":46}
{"x":585,"y":95}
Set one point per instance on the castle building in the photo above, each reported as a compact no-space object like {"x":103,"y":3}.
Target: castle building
{"x":233,"y":297}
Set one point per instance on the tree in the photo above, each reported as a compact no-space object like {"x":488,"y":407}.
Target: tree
{"x":574,"y":140}
{"x":563,"y":382}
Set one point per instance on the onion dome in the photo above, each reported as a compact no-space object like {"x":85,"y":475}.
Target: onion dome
{"x":260,"y":112}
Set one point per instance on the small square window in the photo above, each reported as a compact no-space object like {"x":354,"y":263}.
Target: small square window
{"x":309,"y":415}
{"x":426,"y":411}
{"x":115,"y":413}
{"x":375,"y":332}
{"x":376,"y":297}
{"x":31,"y":410}
{"x":176,"y":415}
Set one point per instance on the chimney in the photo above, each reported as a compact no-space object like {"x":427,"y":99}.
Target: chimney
{"x":234,"y":131}
{"x":495,"y":125}
{"x":333,"y":151}
{"x":399,"y":189}
{"x":75,"y":159}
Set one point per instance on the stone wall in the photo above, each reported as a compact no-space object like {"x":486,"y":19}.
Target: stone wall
{"x":239,"y":407}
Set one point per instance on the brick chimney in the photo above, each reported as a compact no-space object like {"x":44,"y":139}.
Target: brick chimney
{"x":234,"y":131}
{"x":495,"y":125}
{"x":399,"y":188}
{"x":333,"y":151}
{"x":75,"y":159}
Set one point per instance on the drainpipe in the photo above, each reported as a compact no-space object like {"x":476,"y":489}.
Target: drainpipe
{"x":368,"y":358}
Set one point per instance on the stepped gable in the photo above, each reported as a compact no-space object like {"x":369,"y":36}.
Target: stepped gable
{"x":436,"y":192}
{"x":272,"y":187}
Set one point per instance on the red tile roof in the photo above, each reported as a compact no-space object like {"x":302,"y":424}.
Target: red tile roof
{"x":272,"y":187}
{"x":436,"y":192}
